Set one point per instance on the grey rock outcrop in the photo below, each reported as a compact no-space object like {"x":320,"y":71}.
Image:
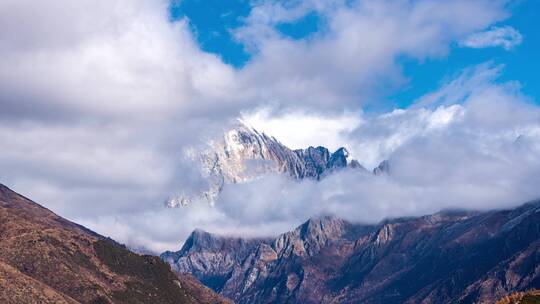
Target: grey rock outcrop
{"x":382,"y":168}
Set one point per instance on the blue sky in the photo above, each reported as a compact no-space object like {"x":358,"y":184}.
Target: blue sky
{"x":213,"y":20}
{"x":521,"y":63}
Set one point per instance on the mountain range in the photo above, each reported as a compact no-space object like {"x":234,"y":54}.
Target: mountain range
{"x":448,"y":257}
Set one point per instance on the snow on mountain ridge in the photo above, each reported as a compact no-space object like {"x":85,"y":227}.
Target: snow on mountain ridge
{"x":244,"y":154}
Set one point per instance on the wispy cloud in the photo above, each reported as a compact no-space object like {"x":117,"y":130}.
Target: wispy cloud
{"x":506,"y":37}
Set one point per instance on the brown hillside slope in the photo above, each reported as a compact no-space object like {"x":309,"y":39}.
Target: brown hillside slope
{"x":47,"y":259}
{"x":528,"y":297}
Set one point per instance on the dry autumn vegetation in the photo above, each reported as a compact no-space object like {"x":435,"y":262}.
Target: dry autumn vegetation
{"x":47,"y":259}
{"x":527,"y":297}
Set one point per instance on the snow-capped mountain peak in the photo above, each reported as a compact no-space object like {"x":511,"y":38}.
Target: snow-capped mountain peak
{"x":244,"y":154}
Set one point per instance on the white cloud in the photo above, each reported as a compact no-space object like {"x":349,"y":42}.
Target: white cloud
{"x":99,"y":99}
{"x":481,"y":154}
{"x":353,"y":57}
{"x":299,"y":129}
{"x":102,"y":59}
{"x":506,"y":37}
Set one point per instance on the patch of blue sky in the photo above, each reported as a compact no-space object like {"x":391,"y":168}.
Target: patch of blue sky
{"x":521,"y":63}
{"x":213,"y":20}
{"x":301,"y":28}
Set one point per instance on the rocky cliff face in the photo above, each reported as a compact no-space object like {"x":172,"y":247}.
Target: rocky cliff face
{"x":382,"y":168}
{"x":244,"y":154}
{"x":442,"y":258}
{"x":47,"y":259}
{"x":211,"y":257}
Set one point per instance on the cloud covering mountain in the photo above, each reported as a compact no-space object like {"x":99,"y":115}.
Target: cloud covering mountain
{"x":100,"y":99}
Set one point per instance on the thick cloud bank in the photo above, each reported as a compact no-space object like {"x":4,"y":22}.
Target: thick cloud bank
{"x":99,"y":100}
{"x":480,"y":154}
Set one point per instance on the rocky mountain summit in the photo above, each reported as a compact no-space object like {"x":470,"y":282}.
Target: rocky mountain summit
{"x":448,"y":257}
{"x":244,"y":154}
{"x":47,"y":259}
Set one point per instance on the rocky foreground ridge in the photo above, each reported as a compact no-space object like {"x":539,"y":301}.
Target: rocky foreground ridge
{"x":47,"y":259}
{"x":448,"y":257}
